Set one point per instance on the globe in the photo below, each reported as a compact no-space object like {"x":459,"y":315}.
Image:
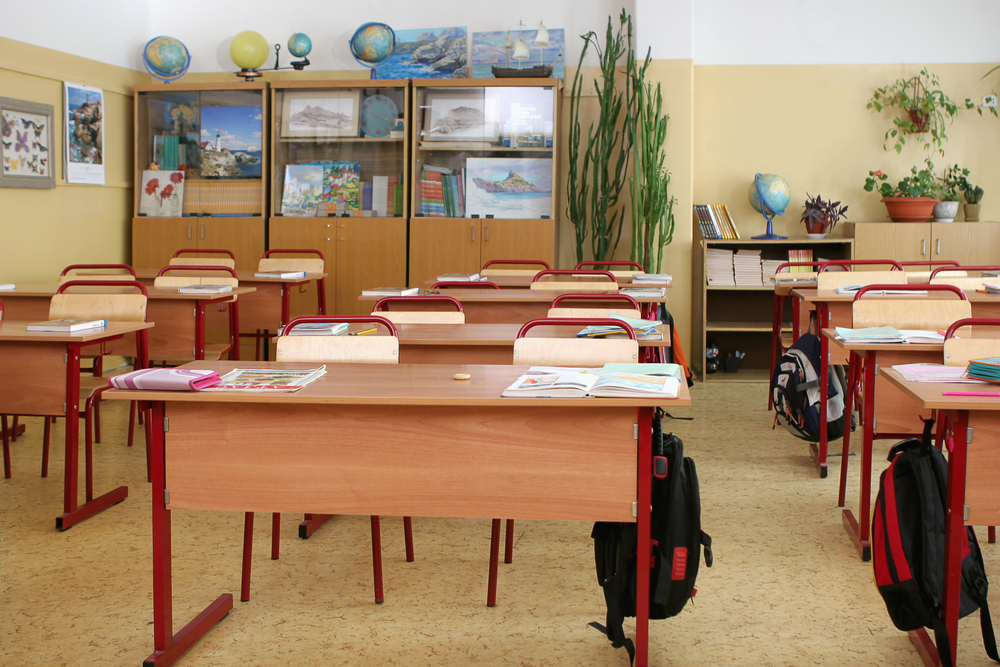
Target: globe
{"x":373,"y":44}
{"x":776,"y":194}
{"x":248,"y":50}
{"x":166,"y":58}
{"x":299,"y":45}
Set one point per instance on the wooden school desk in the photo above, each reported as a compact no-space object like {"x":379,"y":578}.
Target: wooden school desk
{"x":973,"y":441}
{"x":518,"y":282}
{"x":479,"y":343}
{"x":526,"y":458}
{"x":834,"y":310}
{"x":41,"y":377}
{"x":503,"y":306}
{"x":180,"y":318}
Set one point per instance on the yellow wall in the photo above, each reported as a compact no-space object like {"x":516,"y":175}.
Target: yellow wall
{"x":43,"y":231}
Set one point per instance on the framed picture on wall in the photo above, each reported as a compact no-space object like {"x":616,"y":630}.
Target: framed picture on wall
{"x":320,"y":113}
{"x":27,"y":144}
{"x":84,"y":134}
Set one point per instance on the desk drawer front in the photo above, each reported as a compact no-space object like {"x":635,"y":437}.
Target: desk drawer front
{"x":37,"y":379}
{"x":486,"y":462}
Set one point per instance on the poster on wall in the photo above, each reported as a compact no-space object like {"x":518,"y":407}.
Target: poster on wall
{"x":84,"y":131}
{"x":27,"y":139}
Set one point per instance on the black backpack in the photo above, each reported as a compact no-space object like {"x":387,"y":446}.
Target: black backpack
{"x":795,"y":390}
{"x":677,"y":542}
{"x":908,"y":546}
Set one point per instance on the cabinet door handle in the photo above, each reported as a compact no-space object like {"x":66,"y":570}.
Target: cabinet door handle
{"x":473,"y":232}
{"x":189,"y":231}
{"x":939,"y":246}
{"x":487,"y":234}
{"x":343,"y":239}
{"x":923,"y":247}
{"x":203,"y":231}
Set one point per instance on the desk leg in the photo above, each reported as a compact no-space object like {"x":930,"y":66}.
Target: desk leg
{"x":954,"y":529}
{"x":73,"y":514}
{"x":819,"y":453}
{"x":311,"y":524}
{"x":859,"y":528}
{"x":168,"y":646}
{"x":644,"y":542}
{"x":853,"y":365}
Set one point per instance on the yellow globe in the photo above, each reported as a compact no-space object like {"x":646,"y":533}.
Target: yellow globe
{"x":249,"y":49}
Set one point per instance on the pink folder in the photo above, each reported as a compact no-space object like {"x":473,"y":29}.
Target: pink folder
{"x":170,"y":379}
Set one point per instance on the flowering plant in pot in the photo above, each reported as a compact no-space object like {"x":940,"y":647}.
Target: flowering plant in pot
{"x":912,"y":199}
{"x":820,"y":217}
{"x":973,"y":194}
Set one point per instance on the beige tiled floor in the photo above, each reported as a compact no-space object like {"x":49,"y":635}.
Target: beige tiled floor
{"x":787,"y":587}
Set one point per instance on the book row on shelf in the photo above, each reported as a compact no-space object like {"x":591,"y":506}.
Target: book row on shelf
{"x":499,"y":187}
{"x":336,"y":188}
{"x":715,"y":222}
{"x":744,"y":267}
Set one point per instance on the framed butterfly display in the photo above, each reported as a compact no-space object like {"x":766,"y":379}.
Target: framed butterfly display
{"x":26,"y":129}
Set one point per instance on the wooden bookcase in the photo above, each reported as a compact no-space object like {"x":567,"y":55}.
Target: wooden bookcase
{"x":465,"y":127}
{"x":363,"y":249}
{"x":739,"y":318}
{"x":172,"y":128}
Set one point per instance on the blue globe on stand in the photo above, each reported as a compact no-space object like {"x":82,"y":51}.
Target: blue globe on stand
{"x":373,"y":44}
{"x":299,"y":45}
{"x":769,"y":195}
{"x":166,"y":58}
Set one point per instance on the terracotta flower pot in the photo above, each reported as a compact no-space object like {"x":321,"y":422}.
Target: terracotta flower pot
{"x":910,"y":209}
{"x":919,"y":119}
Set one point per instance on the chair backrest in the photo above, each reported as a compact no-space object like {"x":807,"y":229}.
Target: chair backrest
{"x":627,"y":268}
{"x":828,"y":280}
{"x":923,"y":314}
{"x":198,"y":274}
{"x":307,"y":264}
{"x":574,"y":351}
{"x":595,"y":281}
{"x":465,"y":284}
{"x":446,"y":310}
{"x":960,"y":351}
{"x":965,"y":283}
{"x":925,"y":277}
{"x":97,"y":272}
{"x":619,"y":304}
{"x":203,"y":261}
{"x":493,"y":267}
{"x":112,"y":305}
{"x":344,"y":349}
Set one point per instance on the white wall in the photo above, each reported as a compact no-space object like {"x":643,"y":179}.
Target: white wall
{"x":109,"y":31}
{"x":807,"y":32}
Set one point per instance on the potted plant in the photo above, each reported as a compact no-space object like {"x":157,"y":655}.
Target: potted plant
{"x":912,"y":199}
{"x":973,"y":194}
{"x":927,"y":109}
{"x":950,"y":188}
{"x":820,"y":217}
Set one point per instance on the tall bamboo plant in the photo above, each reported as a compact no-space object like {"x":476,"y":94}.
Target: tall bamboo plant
{"x":596,"y":179}
{"x":652,"y":204}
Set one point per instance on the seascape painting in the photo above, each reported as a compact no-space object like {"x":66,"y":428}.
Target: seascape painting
{"x":488,"y":50}
{"x":84,"y":159}
{"x":318,"y":114}
{"x":508,"y":187}
{"x":231,"y":142}
{"x":428,"y":53}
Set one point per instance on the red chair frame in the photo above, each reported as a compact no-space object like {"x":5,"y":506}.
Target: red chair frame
{"x":464,"y":284}
{"x":778,"y":317}
{"x":965,"y":268}
{"x":320,"y":282}
{"x":573,"y":272}
{"x":383,"y":303}
{"x":74,"y":267}
{"x":208,"y":251}
{"x":515,"y":261}
{"x":199,"y":317}
{"x":920,"y":262}
{"x":896,"y":266}
{"x":595,"y":263}
{"x":596,"y":297}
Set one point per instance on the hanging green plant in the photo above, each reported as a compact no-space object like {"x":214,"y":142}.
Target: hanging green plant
{"x":927,"y":111}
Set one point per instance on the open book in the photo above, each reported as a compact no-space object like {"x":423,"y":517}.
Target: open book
{"x":641,"y":327}
{"x":267,"y":380}
{"x":591,"y":384}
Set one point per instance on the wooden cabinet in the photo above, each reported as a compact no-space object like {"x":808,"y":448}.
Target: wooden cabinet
{"x":339,"y":184}
{"x":740,"y":318}
{"x":971,"y":243}
{"x":207,"y":189}
{"x":484,"y":175}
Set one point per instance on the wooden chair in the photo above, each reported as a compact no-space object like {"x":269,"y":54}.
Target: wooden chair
{"x":114,"y":305}
{"x":492,"y":267}
{"x":967,"y":283}
{"x":197,"y":274}
{"x":629,"y":306}
{"x":594,"y":284}
{"x":960,"y":351}
{"x":332,"y":349}
{"x":219,"y":258}
{"x":923,"y":314}
{"x":924,"y":276}
{"x":465,"y":284}
{"x":270,"y":262}
{"x":96,"y":272}
{"x":630,"y":268}
{"x":558,"y":352}
{"x":453,"y":314}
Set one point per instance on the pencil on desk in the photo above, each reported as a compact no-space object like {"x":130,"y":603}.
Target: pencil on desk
{"x":363,"y":332}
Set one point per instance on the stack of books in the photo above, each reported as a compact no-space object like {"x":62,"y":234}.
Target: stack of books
{"x":992,"y":288}
{"x":769,"y":267}
{"x":746,"y":268}
{"x":719,"y":267}
{"x":442,"y":192}
{"x":985,"y":369}
{"x":652,"y":279}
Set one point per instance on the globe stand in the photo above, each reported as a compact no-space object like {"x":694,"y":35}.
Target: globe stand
{"x":297,"y":65}
{"x":764,"y":208}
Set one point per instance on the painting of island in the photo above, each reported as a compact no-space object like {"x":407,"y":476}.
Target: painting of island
{"x":488,"y":50}
{"x":320,"y":113}
{"x":508,"y":187}
{"x":428,"y":53}
{"x":230,"y":142}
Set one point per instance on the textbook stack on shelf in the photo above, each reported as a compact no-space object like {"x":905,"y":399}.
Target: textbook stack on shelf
{"x":769,"y":268}
{"x":719,"y":265}
{"x":746,"y":267}
{"x":442,"y":192}
{"x":801,"y":255}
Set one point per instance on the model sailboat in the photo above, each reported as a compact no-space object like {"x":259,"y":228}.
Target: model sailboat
{"x":521,"y":52}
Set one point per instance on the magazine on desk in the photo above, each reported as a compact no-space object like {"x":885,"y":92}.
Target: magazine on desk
{"x":258,"y":380}
{"x":643,"y":328}
{"x":590,"y":384}
{"x":888,"y":335}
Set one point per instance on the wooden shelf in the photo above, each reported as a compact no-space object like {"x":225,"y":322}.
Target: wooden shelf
{"x":340,"y":140}
{"x":477,"y":146}
{"x":742,"y":288}
{"x":738,"y":326}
